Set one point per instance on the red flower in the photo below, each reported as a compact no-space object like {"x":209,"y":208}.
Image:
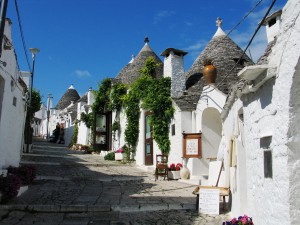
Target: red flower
{"x":172,"y":167}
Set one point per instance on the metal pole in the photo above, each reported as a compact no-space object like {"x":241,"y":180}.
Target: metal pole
{"x":30,"y":107}
{"x":34,"y":51}
{"x":2,"y":22}
{"x":48,"y":114}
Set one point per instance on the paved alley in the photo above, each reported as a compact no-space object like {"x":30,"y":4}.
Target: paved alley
{"x":76,"y":188}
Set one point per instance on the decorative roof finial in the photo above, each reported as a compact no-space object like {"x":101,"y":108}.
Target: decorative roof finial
{"x":219,"y":22}
{"x":146,"y":40}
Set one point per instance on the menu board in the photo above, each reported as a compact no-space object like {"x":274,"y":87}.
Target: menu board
{"x":192,"y":145}
{"x":209,"y":201}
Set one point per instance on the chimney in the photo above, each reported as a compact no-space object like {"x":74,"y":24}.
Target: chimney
{"x":273,"y":23}
{"x":174,"y":68}
{"x":90,"y":97}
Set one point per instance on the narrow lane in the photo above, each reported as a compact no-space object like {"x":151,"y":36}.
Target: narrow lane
{"x":76,"y":188}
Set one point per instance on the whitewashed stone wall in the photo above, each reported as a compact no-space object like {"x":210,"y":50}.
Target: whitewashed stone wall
{"x":175,"y":155}
{"x":83,"y":134}
{"x":12,"y":117}
{"x":140,"y":149}
{"x":273,"y":110}
{"x":233,"y":129}
{"x":120,"y":135}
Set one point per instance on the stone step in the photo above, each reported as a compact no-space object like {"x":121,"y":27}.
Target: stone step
{"x":98,"y":208}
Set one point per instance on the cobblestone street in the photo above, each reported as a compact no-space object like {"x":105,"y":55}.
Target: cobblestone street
{"x":76,"y":188}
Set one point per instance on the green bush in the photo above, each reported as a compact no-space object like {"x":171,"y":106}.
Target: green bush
{"x":110,"y":156}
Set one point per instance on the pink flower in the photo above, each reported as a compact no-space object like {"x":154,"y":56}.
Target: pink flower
{"x":245,"y":216}
{"x":244,"y":220}
{"x":120,"y":150}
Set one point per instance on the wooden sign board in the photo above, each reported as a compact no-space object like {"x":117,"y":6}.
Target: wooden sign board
{"x":192,"y":145}
{"x":209,"y":201}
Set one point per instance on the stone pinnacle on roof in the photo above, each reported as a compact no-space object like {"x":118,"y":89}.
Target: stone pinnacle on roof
{"x":146,"y":40}
{"x":219,"y":32}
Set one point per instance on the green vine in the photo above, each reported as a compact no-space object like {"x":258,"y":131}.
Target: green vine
{"x":156,"y":97}
{"x":115,"y":127}
{"x":102,"y":96}
{"x":159,"y":102}
{"x":118,"y":91}
{"x":88,"y":119}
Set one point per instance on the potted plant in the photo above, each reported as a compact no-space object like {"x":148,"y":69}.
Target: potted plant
{"x":120,"y":154}
{"x":242,"y":220}
{"x":174,"y":171}
{"x":9,"y":187}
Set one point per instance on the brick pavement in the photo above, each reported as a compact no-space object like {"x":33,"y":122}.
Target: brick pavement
{"x":76,"y":188}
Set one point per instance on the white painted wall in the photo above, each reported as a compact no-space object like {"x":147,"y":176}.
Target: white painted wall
{"x":233,"y":129}
{"x":175,"y":155}
{"x":12,"y":118}
{"x":273,"y":110}
{"x":120,"y":136}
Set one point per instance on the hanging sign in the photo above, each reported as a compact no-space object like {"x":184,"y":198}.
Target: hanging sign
{"x":192,"y":145}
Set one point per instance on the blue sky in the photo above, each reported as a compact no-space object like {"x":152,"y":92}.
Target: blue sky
{"x":82,"y":42}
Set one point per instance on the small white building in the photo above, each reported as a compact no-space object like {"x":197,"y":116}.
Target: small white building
{"x":65,"y":112}
{"x":13,"y":97}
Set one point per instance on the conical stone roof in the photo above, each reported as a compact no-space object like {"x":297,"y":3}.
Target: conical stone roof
{"x":70,"y":95}
{"x":132,"y":70}
{"x":224,"y":54}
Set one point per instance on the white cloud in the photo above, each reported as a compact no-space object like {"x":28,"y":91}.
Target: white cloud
{"x":82,"y":73}
{"x":161,"y":15}
{"x":189,"y":24}
{"x":194,"y":49}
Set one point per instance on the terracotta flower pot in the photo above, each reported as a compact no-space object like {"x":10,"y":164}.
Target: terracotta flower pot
{"x":210,"y":73}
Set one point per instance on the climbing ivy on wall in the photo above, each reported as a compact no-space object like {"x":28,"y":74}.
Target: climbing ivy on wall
{"x":102,"y":96}
{"x":156,"y":97}
{"x":88,"y":119}
{"x":117,"y":95}
{"x":118,"y":91}
{"x":158,"y":101}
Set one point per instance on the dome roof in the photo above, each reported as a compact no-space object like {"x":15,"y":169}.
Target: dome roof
{"x":224,"y":54}
{"x":132,"y":70}
{"x":71,"y":95}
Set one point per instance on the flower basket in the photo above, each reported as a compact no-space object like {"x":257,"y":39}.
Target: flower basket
{"x":174,"y":171}
{"x":242,"y":220}
{"x":174,"y":175}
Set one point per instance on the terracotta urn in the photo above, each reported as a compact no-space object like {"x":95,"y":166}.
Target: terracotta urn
{"x":210,"y":73}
